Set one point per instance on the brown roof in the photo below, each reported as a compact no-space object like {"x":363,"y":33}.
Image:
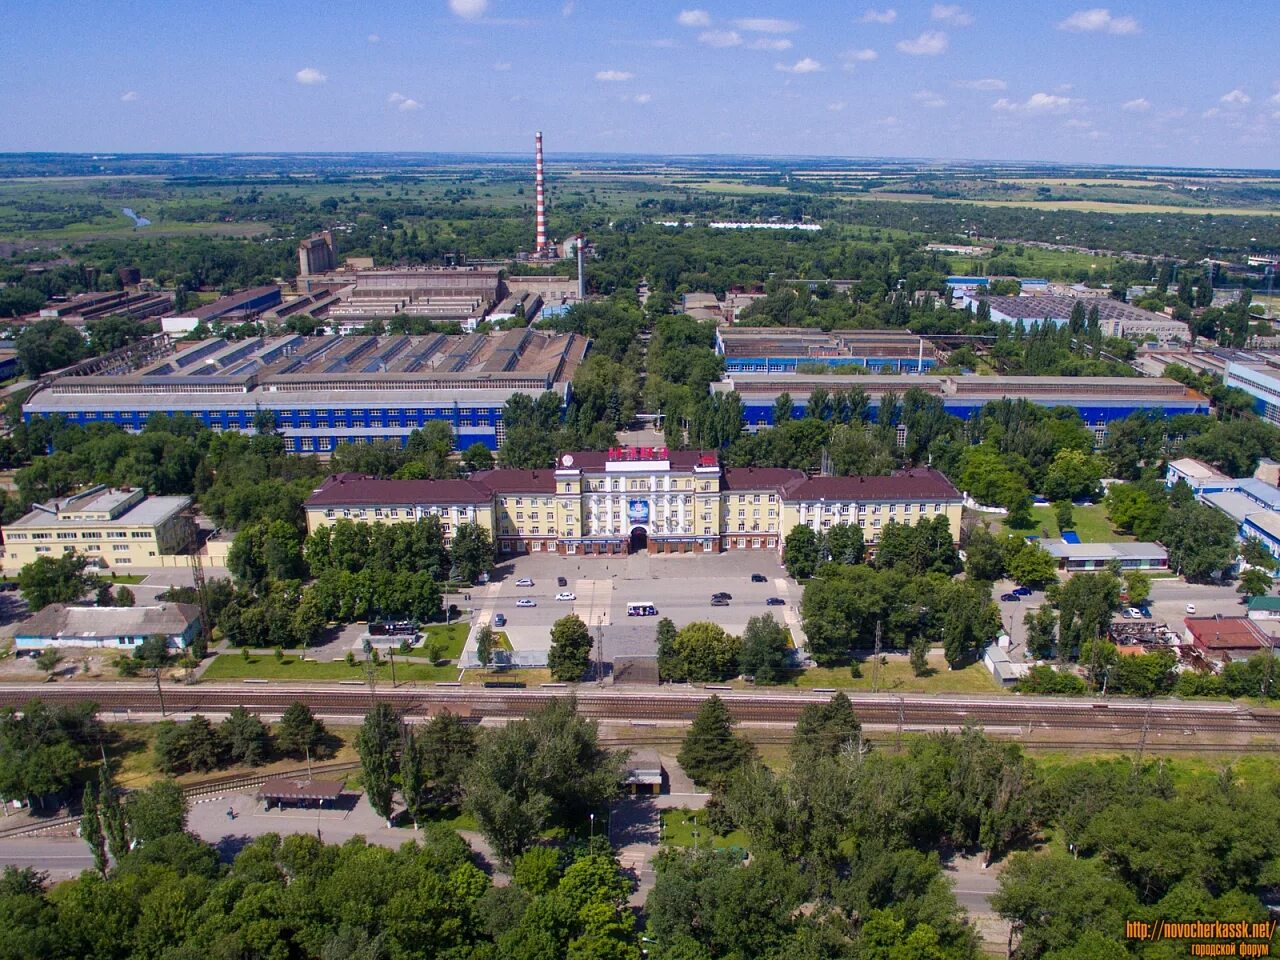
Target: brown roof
{"x":344,"y":489}
{"x":1227,"y":633}
{"x":516,"y":481}
{"x":679,"y":459}
{"x":761,"y":478}
{"x":918,"y":484}
{"x":284,"y":788}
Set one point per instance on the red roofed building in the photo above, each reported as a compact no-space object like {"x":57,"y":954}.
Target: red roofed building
{"x":1227,"y":638}
{"x":641,"y":498}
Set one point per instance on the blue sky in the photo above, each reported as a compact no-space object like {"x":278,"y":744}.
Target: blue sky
{"x":1170,"y":83}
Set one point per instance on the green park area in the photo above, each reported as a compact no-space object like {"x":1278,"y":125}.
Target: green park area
{"x":1089,"y":522}
{"x":688,"y":828}
{"x":895,"y":676}
{"x":235,"y":666}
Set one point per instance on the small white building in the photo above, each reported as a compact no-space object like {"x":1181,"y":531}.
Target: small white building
{"x":122,"y":628}
{"x":1007,"y":673}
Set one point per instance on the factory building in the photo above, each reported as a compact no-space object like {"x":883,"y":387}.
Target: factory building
{"x":1098,"y":400}
{"x":322,"y":391}
{"x":1116,"y":319}
{"x":1260,"y":378}
{"x":778,"y":350}
{"x":1253,"y":503}
{"x":641,"y":499}
{"x":236,"y":308}
{"x":317,"y":254}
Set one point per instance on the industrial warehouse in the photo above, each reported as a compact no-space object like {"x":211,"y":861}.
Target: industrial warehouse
{"x":322,"y":391}
{"x":642,"y":499}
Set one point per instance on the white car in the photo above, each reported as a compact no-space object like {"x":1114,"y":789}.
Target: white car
{"x":526,"y":602}
{"x":1135,"y":613}
{"x":565,"y":595}
{"x":1191,"y":608}
{"x":524,"y":582}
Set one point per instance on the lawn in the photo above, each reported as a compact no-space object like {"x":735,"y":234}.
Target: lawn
{"x":1091,"y":524}
{"x":229,"y":666}
{"x":896,"y":676}
{"x":451,"y":638}
{"x":532,"y":676}
{"x":678,"y":828}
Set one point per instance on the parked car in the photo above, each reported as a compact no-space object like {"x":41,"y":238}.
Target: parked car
{"x":561,"y":582}
{"x":1191,"y":608}
{"x":1125,"y":613}
{"x":1010,"y":598}
{"x":1022,"y":591}
{"x":499,"y":620}
{"x":524,"y":582}
{"x":759,"y":578}
{"x":775,"y":602}
{"x":566,"y":595}
{"x":719,"y":602}
{"x":526,"y":602}
{"x":1145,"y":611}
{"x":1135,"y":613}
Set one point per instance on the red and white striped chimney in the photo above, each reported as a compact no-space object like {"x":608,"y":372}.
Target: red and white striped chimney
{"x":542,"y":207}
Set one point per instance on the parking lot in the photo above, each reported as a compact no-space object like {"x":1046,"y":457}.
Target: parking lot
{"x":679,"y":586}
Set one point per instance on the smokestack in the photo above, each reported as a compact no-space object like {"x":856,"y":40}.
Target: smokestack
{"x":541,"y":248}
{"x":582,"y":268}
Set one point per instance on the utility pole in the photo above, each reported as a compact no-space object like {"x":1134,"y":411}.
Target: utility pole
{"x":392,"y":655}
{"x":371,"y":677}
{"x":600,"y":649}
{"x":159,"y":690}
{"x":901,"y":710}
{"x":1146,"y":726}
{"x":875,"y":665}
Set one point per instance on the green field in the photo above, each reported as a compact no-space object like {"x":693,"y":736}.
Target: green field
{"x":230,"y":666}
{"x":896,"y":676}
{"x":1091,"y":524}
{"x":451,"y":638}
{"x":678,"y":828}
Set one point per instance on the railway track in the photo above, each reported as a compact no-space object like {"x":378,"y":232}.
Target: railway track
{"x":678,"y":706}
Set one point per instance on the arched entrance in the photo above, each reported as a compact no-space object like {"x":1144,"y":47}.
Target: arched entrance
{"x":639,"y":539}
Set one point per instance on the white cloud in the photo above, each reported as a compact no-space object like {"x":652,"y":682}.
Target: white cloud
{"x":865,"y":55}
{"x":1036,"y":103}
{"x":766,"y":25}
{"x":1236,"y":98}
{"x":836,"y":106}
{"x":770,"y":43}
{"x":928,"y":44}
{"x":720,"y":38}
{"x":642,"y":98}
{"x":374,"y":38}
{"x":1136,"y":105}
{"x":309,"y":76}
{"x":129,"y":96}
{"x":1275,"y":98}
{"x":807,"y":65}
{"x":1210,"y":113}
{"x":614,"y":76}
{"x":880,"y":16}
{"x":502,"y":66}
{"x":985,"y":83}
{"x":401,"y":102}
{"x":469,"y":9}
{"x":951,"y":13}
{"x":693,"y":18}
{"x":927,"y":98}
{"x":1099,"y":20}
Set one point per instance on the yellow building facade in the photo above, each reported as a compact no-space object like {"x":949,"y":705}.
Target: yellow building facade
{"x":112,"y":527}
{"x":629,"y":499}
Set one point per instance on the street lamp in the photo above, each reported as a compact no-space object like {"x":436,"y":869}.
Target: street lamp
{"x":592,"y":834}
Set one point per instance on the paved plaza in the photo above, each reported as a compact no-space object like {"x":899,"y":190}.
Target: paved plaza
{"x":680,"y":586}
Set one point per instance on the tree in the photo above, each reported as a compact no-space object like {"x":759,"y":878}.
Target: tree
{"x":704,"y":651}
{"x":1255,"y":554}
{"x":825,"y":730}
{"x":245,"y":737}
{"x":155,"y":811}
{"x":711,"y":751}
{"x":764,"y":649}
{"x":1073,"y":475}
{"x":1032,"y":565}
{"x":471,"y":551}
{"x":985,"y":555}
{"x":91,"y":827}
{"x":124,"y":597}
{"x":919,"y":656}
{"x":103,"y":597}
{"x":1062,"y":514}
{"x":1042,"y":625}
{"x":1255,"y":582}
{"x":1138,"y":586}
{"x":485,"y":642}
{"x":843,"y":543}
{"x":447,"y":746}
{"x":49,"y":658}
{"x":153,"y":652}
{"x":570,"y":652}
{"x":782,"y":408}
{"x":376,"y":744}
{"x":194,"y":745}
{"x":1201,"y":540}
{"x":47,"y":580}
{"x":1085,"y":605}
{"x":669,"y":666}
{"x":970,"y":621}
{"x":477,"y":457}
{"x":801,"y":552}
{"x":299,"y":732}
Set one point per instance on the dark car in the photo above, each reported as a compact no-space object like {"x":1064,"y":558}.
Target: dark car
{"x":1021,"y":591}
{"x":775,"y":602}
{"x":1145,"y":611}
{"x":759,"y":578}
{"x":719,"y":601}
{"x":499,"y":620}
{"x":1010,"y":598}
{"x":561,"y":582}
